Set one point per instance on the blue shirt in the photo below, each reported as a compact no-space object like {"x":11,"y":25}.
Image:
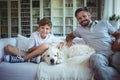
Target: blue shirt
{"x":99,"y":36}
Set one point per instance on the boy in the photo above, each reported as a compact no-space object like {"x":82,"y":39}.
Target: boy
{"x":39,"y":42}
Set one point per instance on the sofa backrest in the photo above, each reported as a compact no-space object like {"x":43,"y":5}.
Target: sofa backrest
{"x":3,"y":43}
{"x":21,"y":42}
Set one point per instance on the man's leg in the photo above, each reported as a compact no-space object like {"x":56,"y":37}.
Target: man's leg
{"x":102,"y":71}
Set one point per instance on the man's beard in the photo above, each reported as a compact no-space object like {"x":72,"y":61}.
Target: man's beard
{"x":86,"y":23}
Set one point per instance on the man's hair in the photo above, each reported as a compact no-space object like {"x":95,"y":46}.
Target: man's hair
{"x":45,"y":21}
{"x":81,"y":9}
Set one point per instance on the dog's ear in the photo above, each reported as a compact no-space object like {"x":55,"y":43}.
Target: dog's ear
{"x":43,"y":57}
{"x":44,"y":53}
{"x":58,"y":53}
{"x":59,"y":60}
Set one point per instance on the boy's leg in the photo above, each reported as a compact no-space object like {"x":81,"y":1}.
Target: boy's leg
{"x":13,"y":59}
{"x":15,"y":55}
{"x":9,"y":49}
{"x":38,"y":51}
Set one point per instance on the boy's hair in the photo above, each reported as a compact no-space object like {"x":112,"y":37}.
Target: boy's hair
{"x":81,"y":9}
{"x":45,"y":21}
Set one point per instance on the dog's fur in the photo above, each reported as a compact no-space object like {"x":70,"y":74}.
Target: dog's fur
{"x":54,"y":56}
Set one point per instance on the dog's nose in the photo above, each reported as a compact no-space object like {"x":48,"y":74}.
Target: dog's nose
{"x":52,"y":61}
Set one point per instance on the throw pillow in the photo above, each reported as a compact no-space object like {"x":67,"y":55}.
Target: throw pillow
{"x":22,"y":42}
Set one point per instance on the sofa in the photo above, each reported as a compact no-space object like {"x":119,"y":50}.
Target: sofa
{"x":28,"y":70}
{"x":16,"y":71}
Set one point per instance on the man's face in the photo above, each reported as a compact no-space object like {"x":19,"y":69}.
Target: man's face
{"x":84,"y":18}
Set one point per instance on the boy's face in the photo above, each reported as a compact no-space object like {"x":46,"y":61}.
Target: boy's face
{"x":83,"y":18}
{"x":44,"y":30}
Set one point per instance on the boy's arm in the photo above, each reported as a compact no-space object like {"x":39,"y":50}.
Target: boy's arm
{"x":32,"y":49}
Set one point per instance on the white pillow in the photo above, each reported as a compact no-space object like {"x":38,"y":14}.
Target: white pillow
{"x":22,"y":42}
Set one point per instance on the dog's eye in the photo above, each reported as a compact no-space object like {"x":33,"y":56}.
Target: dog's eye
{"x":55,"y":55}
{"x":48,"y":55}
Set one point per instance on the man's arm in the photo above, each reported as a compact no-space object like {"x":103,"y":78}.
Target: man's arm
{"x":116,"y":34}
{"x":116,"y":43}
{"x":69,"y":39}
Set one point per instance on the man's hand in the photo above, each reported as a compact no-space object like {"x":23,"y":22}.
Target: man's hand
{"x":116,"y":45}
{"x":69,"y":39}
{"x":69,"y":43}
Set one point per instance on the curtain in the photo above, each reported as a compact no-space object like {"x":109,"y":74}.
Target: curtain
{"x":116,"y":7}
{"x":108,"y":9}
{"x":111,"y":7}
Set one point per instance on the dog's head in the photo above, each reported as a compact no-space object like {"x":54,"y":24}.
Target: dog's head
{"x":51,"y":55}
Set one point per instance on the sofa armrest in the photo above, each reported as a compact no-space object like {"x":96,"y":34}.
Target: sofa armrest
{"x":1,"y":50}
{"x":3,"y":43}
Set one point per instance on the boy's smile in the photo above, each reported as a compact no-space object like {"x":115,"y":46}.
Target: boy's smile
{"x":44,"y":31}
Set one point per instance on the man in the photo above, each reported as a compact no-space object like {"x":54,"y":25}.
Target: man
{"x":98,"y":34}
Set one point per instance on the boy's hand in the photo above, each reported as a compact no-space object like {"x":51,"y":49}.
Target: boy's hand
{"x":59,"y":46}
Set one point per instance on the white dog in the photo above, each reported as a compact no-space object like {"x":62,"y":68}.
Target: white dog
{"x":54,"y":56}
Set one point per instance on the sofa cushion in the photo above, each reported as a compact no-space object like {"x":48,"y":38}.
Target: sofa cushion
{"x":22,"y":42}
{"x":3,"y":43}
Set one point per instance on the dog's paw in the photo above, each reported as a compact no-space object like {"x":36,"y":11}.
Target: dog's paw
{"x":59,"y":61}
